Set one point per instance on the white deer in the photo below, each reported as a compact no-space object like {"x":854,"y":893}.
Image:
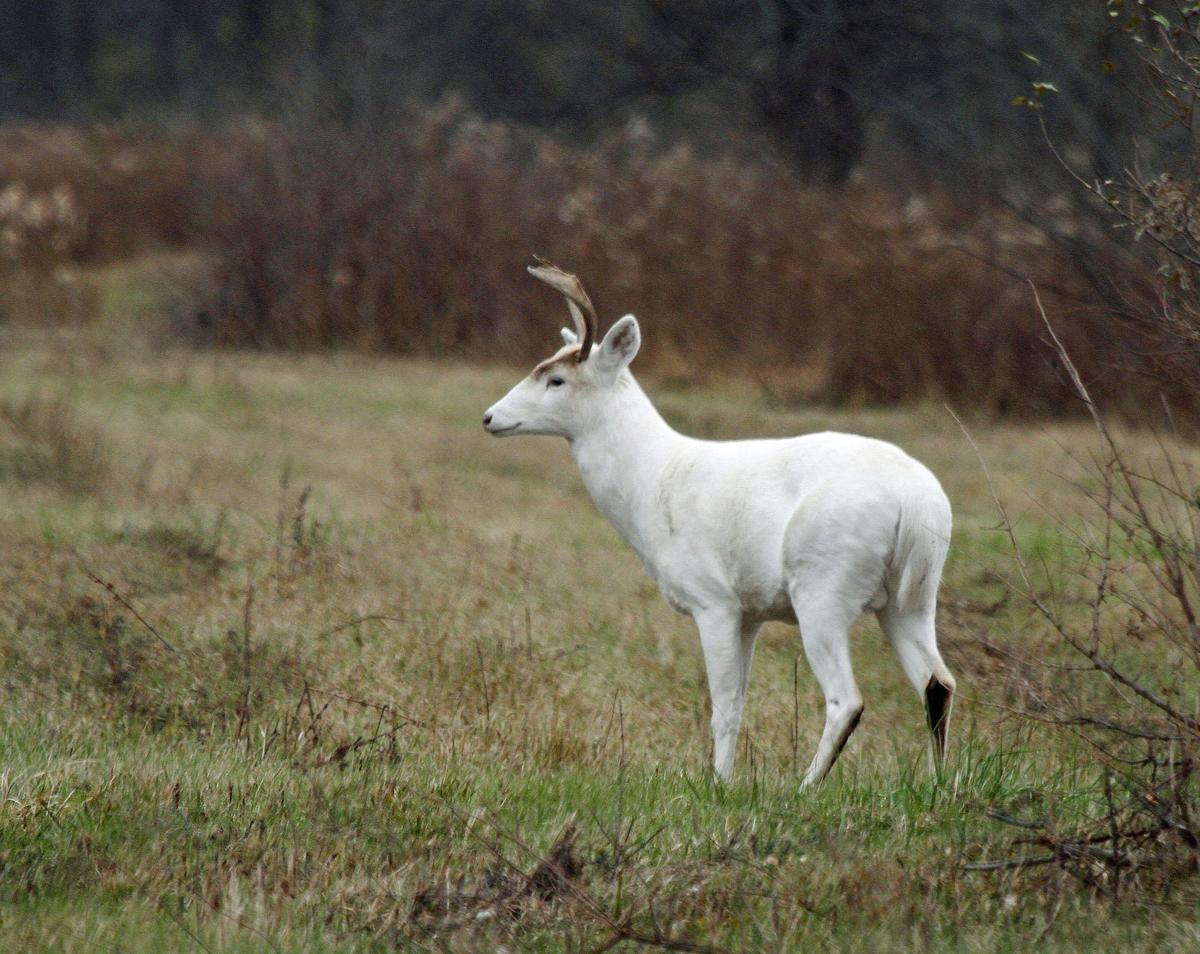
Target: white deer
{"x":813,"y":530}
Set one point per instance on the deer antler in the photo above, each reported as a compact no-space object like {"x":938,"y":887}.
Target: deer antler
{"x":582,"y":310}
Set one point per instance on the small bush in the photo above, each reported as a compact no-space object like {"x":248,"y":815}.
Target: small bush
{"x":45,"y":442}
{"x":1122,"y":672}
{"x":127,"y":190}
{"x":72,"y":197}
{"x":37,"y":230}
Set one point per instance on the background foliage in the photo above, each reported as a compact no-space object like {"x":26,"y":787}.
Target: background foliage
{"x":837,"y":198}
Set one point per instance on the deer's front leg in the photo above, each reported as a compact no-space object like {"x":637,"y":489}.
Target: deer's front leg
{"x":728,"y":645}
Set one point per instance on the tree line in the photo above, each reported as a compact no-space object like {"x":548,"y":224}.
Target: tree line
{"x":831,"y":85}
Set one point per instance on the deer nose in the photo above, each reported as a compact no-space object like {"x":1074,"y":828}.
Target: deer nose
{"x":487,"y":419}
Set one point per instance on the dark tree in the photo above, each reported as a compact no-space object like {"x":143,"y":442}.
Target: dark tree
{"x":832,"y":85}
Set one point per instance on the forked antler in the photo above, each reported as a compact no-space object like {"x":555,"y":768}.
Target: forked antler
{"x":582,"y":310}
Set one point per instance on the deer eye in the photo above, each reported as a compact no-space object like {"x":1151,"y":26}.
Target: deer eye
{"x":555,"y":382}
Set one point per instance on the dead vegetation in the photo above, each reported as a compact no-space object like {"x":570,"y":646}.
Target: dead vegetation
{"x":97,"y":194}
{"x":1122,"y":669}
{"x":417,"y":245}
{"x":44,"y":440}
{"x":857,"y":295}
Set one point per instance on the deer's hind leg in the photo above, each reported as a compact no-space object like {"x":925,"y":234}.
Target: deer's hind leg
{"x":913,"y":637}
{"x":835,"y":560}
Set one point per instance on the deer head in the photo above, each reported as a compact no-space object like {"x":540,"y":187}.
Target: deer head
{"x":567,"y":391}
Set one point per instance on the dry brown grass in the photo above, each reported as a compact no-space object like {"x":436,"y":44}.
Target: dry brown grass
{"x":396,"y":504}
{"x":43,"y":441}
{"x":416,"y":245}
{"x":351,"y":717}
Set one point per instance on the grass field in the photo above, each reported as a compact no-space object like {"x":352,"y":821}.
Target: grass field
{"x":296,"y":658}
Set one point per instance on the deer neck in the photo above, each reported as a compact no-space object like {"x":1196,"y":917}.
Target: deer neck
{"x":622,"y":455}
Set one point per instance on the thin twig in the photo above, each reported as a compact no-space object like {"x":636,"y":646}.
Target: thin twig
{"x":115,"y":594}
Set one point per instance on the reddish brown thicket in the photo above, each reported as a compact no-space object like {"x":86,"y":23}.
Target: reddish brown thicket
{"x":131,"y":188}
{"x":854,"y":295}
{"x":417,"y":245}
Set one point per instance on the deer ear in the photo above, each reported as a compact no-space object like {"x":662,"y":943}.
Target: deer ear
{"x":570,"y":337}
{"x":620,"y":345}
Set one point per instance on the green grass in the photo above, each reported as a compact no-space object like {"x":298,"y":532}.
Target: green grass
{"x":360,"y":665}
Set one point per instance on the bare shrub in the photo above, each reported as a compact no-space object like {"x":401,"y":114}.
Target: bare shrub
{"x":418,"y":245}
{"x":414,"y":242}
{"x":37,"y":230}
{"x":70,"y":197}
{"x":926,"y":300}
{"x":1123,"y":671}
{"x":1129,"y":625}
{"x":128,"y":189}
